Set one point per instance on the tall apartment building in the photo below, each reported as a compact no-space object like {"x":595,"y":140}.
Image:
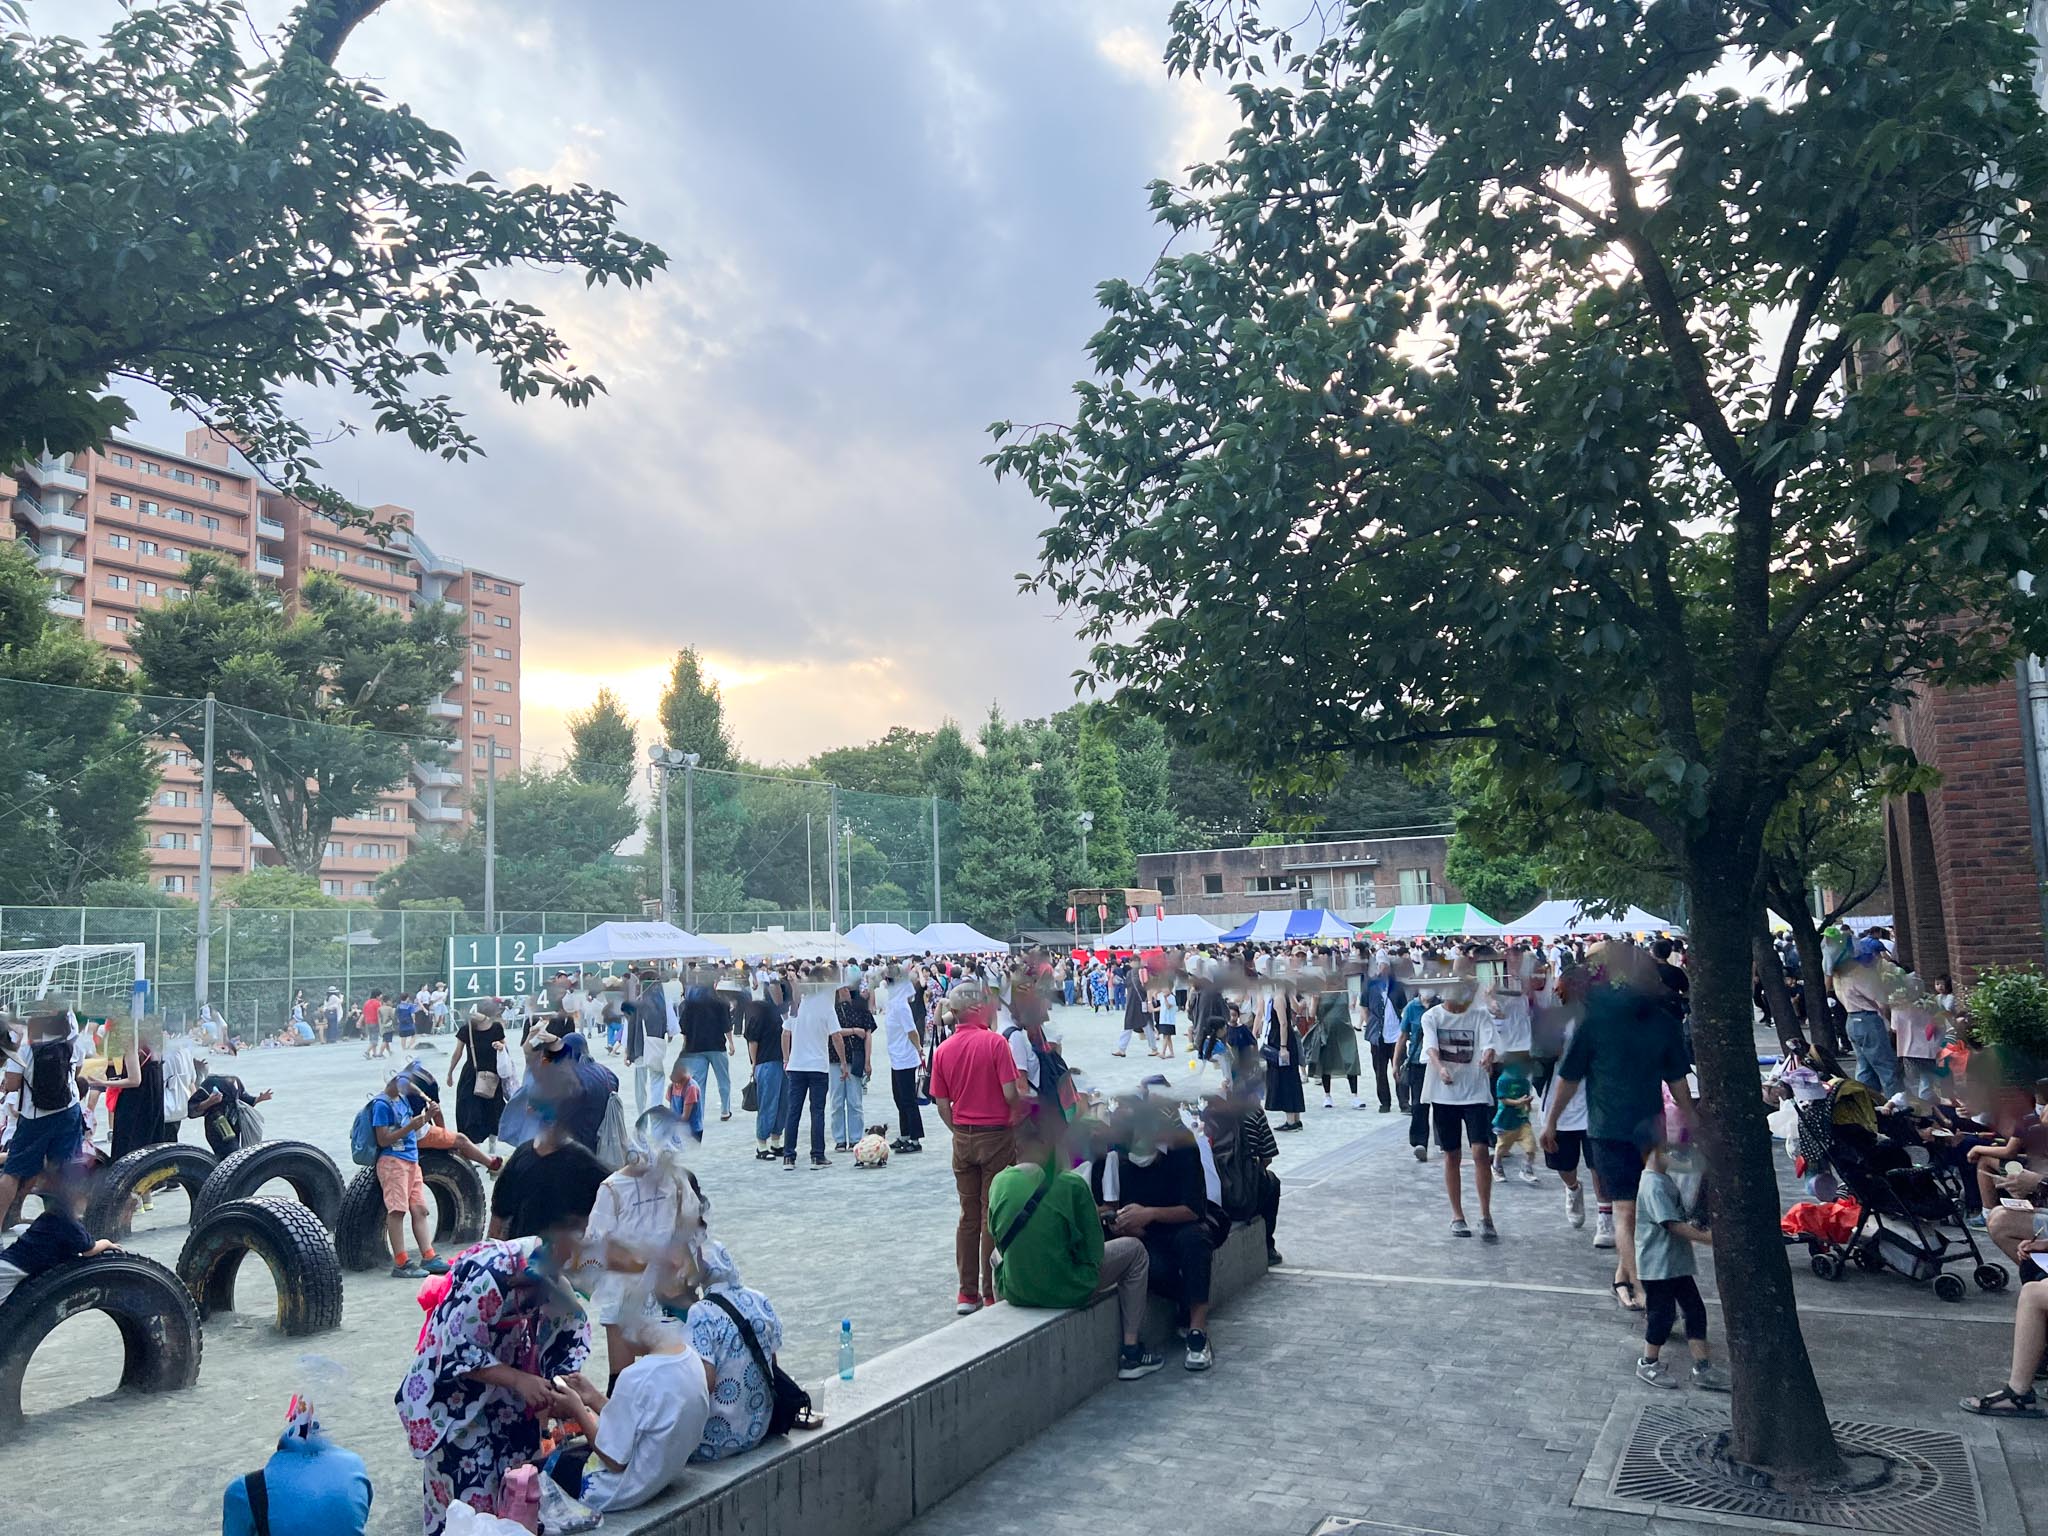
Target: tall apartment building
{"x":114,"y":531}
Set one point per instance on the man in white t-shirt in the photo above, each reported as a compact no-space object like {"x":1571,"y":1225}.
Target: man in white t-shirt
{"x":1458,"y":1044}
{"x":643,"y":1434}
{"x":812,"y":1049}
{"x":903,"y":1044}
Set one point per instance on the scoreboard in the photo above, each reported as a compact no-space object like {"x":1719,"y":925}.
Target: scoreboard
{"x":485,"y":965}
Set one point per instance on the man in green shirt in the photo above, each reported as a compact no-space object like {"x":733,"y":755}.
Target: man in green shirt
{"x":1049,"y":1247}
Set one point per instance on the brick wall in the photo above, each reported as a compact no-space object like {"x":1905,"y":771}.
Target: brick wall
{"x":1962,"y":855}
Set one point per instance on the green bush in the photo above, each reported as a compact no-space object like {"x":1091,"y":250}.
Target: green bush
{"x":2009,"y":1011}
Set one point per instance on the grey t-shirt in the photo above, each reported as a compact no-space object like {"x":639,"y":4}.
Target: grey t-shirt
{"x":1659,"y":1254}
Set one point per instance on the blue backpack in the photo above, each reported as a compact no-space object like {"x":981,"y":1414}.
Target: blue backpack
{"x":362,"y":1136}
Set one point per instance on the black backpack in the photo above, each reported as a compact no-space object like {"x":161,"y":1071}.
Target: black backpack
{"x":49,"y":1077}
{"x":1053,"y":1073}
{"x":1237,"y":1171}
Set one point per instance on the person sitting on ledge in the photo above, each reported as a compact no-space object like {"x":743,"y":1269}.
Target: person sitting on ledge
{"x":1050,"y":1250}
{"x":1148,"y":1184}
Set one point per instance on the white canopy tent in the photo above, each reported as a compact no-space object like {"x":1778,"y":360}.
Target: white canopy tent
{"x":615,"y":943}
{"x":957,"y":939}
{"x":1181,"y":928}
{"x":1558,"y":919}
{"x":788,"y":944}
{"x":889,"y":939}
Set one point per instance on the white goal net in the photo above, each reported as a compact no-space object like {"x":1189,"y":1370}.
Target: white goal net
{"x":97,"y":980}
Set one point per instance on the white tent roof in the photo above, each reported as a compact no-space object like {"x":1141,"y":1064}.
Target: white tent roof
{"x":957,"y":939}
{"x":1554,"y":919}
{"x":787,"y":944}
{"x":883,"y":939}
{"x":1181,"y":928}
{"x":608,"y":943}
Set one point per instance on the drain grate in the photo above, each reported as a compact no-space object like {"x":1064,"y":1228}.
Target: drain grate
{"x":1901,"y":1482}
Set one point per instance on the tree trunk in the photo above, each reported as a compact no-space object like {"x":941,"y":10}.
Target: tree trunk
{"x":1770,"y":974}
{"x":1780,"y":1421}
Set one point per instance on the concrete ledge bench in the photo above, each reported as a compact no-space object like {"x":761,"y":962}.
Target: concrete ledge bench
{"x":919,"y":1421}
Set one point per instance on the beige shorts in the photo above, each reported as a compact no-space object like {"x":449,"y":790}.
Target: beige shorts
{"x":404,"y":1189}
{"x":1520,"y":1139}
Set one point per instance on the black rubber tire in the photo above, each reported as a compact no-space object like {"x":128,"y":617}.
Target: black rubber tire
{"x":1950,"y":1287}
{"x":149,"y":1168}
{"x":1827,"y":1265}
{"x":461,"y":1204}
{"x":160,"y":1335}
{"x":310,"y":1172}
{"x":286,"y":1236}
{"x":1993,"y":1277}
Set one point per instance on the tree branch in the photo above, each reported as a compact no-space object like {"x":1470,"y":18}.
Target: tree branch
{"x":322,"y":26}
{"x":1834,"y":251}
{"x":1817,"y":591}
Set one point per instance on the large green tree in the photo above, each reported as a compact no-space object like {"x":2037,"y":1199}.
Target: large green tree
{"x":946,"y":761}
{"x":1645,"y":389}
{"x":217,"y":216}
{"x":603,"y":746}
{"x":323,"y":700}
{"x":890,"y":765}
{"x":1058,"y":807}
{"x":76,"y":774}
{"x":693,"y":713}
{"x":1101,"y":793}
{"x":1144,"y":770}
{"x":557,"y":843}
{"x":1004,"y":877}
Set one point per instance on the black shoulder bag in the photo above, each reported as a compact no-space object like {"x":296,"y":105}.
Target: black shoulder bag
{"x":259,"y":1501}
{"x":791,"y":1404}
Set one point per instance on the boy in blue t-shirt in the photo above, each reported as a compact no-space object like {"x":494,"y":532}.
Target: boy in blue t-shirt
{"x":55,"y":1237}
{"x":397,"y":1128}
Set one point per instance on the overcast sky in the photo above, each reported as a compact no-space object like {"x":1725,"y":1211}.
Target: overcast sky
{"x":885,"y":220}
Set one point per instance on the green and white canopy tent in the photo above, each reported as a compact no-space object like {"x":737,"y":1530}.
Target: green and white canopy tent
{"x":1436,"y":919}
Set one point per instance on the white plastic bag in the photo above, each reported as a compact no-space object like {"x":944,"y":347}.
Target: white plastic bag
{"x":464,"y":1521}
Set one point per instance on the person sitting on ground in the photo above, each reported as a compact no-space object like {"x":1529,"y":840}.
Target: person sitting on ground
{"x":1148,"y":1184}
{"x":1050,"y":1250}
{"x":735,"y":1330}
{"x":481,"y":1382}
{"x":396,"y":1125}
{"x":645,"y":1431}
{"x":309,"y":1487}
{"x":56,"y":1236}
{"x":2016,"y":1399}
{"x":222,"y":1106}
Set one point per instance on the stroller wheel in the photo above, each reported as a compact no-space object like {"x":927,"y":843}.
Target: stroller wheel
{"x":1828,"y":1265}
{"x":1949,"y":1287}
{"x":1993,"y":1277}
{"x":1868,"y":1258}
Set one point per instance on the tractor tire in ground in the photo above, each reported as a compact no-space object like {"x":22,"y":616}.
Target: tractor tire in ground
{"x":462,"y":1207}
{"x":310,"y":1172}
{"x":140,"y":1172}
{"x":288,"y":1238}
{"x":160,"y":1335}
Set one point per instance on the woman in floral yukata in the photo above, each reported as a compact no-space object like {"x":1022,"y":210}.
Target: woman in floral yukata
{"x":473,"y":1402}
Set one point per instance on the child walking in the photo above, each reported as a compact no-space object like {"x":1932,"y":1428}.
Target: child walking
{"x":1664,"y":1264}
{"x":1512,"y":1131}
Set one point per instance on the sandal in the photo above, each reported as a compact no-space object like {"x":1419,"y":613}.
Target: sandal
{"x":2004,"y":1404}
{"x":1622,"y":1295}
{"x":808,"y":1417}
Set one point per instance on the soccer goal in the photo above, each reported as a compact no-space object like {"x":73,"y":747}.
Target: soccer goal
{"x":102,"y":980}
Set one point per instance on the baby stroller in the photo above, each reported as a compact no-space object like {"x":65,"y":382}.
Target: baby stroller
{"x":1904,"y":1207}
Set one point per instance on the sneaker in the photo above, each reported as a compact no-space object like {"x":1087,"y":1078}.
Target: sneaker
{"x":1135,"y":1361}
{"x":1708,"y":1378}
{"x":1575,"y":1205}
{"x":789,"y":1165}
{"x":822,"y":1162}
{"x":966,"y":1304}
{"x":1654,"y":1373}
{"x":1328,"y":1102}
{"x":1487,"y":1231}
{"x":496,"y":1165}
{"x":1386,"y":1109}
{"x":434,"y":1266}
{"x":1200,"y":1357}
{"x":1527,"y":1176}
{"x":1358,"y":1103}
{"x":726,"y":1116}
{"x":1273,"y":1255}
{"x":1603,"y":1230}
{"x":838,"y":1146}
{"x":1974,"y":1221}
{"x":408,"y":1271}
{"x":766,"y":1155}
{"x":561,"y":1512}
{"x":1459,"y":1227}
{"x":1421,"y":1154}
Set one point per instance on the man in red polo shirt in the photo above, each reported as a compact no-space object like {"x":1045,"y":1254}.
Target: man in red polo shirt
{"x":975,"y":1087}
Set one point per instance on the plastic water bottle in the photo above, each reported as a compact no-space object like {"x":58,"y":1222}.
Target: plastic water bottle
{"x":846,"y":1349}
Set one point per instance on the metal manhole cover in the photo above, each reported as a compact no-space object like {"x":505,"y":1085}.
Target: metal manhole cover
{"x":1901,"y":1482}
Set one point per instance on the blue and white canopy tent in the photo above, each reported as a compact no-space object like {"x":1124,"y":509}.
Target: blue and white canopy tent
{"x":1289,"y":927}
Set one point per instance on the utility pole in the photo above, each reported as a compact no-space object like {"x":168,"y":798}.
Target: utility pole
{"x":1084,"y":824}
{"x":847,"y":834}
{"x":202,"y":946}
{"x":938,"y":900}
{"x":491,"y":835}
{"x":657,"y":774}
{"x":810,"y":884}
{"x":832,"y":857}
{"x":690,"y":762}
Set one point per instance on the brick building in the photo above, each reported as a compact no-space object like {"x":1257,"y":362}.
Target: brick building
{"x":1357,"y":878}
{"x":114,"y":529}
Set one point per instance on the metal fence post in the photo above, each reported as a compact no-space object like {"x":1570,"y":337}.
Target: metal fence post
{"x":291,"y":957}
{"x":227,"y":965}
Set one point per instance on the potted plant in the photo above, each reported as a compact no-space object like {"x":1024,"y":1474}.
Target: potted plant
{"x":2009,"y":1011}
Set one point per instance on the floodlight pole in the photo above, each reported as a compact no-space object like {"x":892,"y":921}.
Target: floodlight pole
{"x":202,"y":947}
{"x":938,"y":901}
{"x":491,"y":835}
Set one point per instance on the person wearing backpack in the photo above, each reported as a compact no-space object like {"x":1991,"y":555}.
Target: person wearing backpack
{"x":1242,"y":1146}
{"x":395,"y":1127}
{"x":41,"y":1068}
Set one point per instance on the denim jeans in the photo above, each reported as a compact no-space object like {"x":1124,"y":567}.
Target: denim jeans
{"x":797,"y":1087}
{"x":705,"y":1065}
{"x":1877,"y":1065}
{"x":848,"y":1093}
{"x":768,"y":1102}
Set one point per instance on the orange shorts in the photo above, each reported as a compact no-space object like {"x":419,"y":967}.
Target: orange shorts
{"x":404,"y":1189}
{"x":438,"y":1138}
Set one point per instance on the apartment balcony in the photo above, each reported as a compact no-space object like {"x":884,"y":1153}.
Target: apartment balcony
{"x":433,"y":776}
{"x":434,"y":811}
{"x":271,"y":566}
{"x":47,"y":519}
{"x":52,"y":563}
{"x":57,"y":476}
{"x":454,"y":607}
{"x":257,"y":839}
{"x":269,"y":528}
{"x":69,"y":607}
{"x":445,"y":709}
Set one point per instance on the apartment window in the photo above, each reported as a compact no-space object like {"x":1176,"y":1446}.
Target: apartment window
{"x":501,"y":589}
{"x":117,"y":541}
{"x":504,"y":752}
{"x":212,"y":524}
{"x":501,"y":653}
{"x":178,"y":757}
{"x":173,"y":840}
{"x":146,"y":588}
{"x":383,"y":813}
{"x":209,"y":482}
{"x":330,"y":887}
{"x":1212,"y":885}
{"x":479,"y":716}
{"x":184,"y":477}
{"x":332,"y":850}
{"x":175,"y":594}
{"x":1361,"y":888}
{"x":1268,"y":885}
{"x":477,"y":683}
{"x":384,"y":600}
{"x":480,"y":619}
{"x":1417,"y":888}
{"x":481,"y":749}
{"x":501,"y":621}
{"x":123,"y":502}
{"x":115,"y":621}
{"x":479,"y":650}
{"x":118,"y":583}
{"x":172,"y":552}
{"x":363,"y":887}
{"x":177,"y":514}
{"x":175,"y":798}
{"x":171,"y":883}
{"x":502,"y":719}
{"x":1168,"y":885}
{"x":148,"y":468}
{"x":149,"y":509}
{"x":502,"y":686}
{"x":146,"y":547}
{"x":126,"y":461}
